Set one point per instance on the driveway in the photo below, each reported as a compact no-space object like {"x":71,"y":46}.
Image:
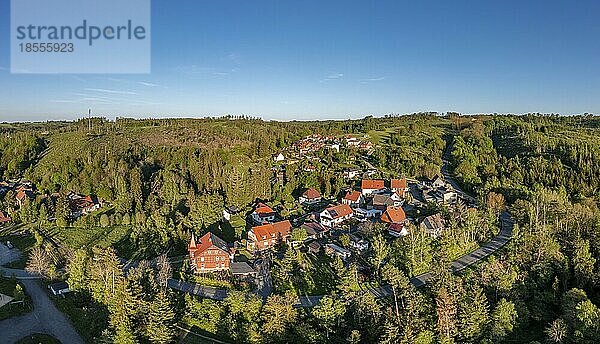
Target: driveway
{"x":45,"y":317}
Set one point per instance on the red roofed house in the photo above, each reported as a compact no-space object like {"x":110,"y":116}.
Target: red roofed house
{"x":210,"y":253}
{"x":263,"y":214}
{"x":399,"y":186}
{"x":396,"y":218}
{"x":310,"y":196}
{"x":353,"y":199}
{"x":267,"y":236}
{"x":4,"y":218}
{"x":333,"y":216}
{"x":370,"y":186}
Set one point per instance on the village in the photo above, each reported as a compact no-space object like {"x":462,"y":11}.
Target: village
{"x":335,"y":227}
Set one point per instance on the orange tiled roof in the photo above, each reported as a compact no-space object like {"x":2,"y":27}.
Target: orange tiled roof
{"x":207,"y":241}
{"x":372,"y":184}
{"x":352,"y":196}
{"x":393,"y":215}
{"x":270,"y":230}
{"x":339,"y":211}
{"x":263,"y":209}
{"x":311,"y":194}
{"x":398,"y":184}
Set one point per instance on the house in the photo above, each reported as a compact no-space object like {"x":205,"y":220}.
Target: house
{"x":278,"y":157}
{"x":310,"y":196}
{"x":210,"y":253}
{"x":333,"y":249}
{"x":266,"y":236}
{"x":369,"y":186}
{"x":230,"y":211}
{"x":364,"y":214}
{"x":4,"y":218}
{"x":82,"y":205}
{"x":445,"y":195}
{"x":314,"y":247}
{"x":381,"y":202}
{"x":397,"y":230}
{"x":398,"y":200}
{"x":263,"y":214}
{"x":242,"y":269}
{"x":393,"y":215}
{"x":398,"y":184}
{"x":396,"y":220}
{"x":353,"y":198}
{"x":60,"y":288}
{"x":23,"y":195}
{"x":437,"y":182}
{"x":433,"y":224}
{"x":314,"y":230}
{"x":333,"y":216}
{"x":358,"y":243}
{"x":399,"y":187}
{"x":352,"y":173}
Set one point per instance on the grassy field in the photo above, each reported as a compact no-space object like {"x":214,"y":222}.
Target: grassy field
{"x":7,"y":287}
{"x":38,"y":339}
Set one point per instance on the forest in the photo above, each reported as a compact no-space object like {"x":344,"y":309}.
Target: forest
{"x":166,"y":178}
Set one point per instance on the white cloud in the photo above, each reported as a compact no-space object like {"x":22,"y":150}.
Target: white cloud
{"x":331,"y":77}
{"x":147,"y":84}
{"x":103,"y":90}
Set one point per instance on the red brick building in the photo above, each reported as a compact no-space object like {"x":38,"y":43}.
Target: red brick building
{"x":210,"y":253}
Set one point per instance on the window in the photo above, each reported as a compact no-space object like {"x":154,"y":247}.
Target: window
{"x":201,"y":259}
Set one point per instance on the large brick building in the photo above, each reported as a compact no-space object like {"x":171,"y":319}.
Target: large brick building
{"x":209,"y":253}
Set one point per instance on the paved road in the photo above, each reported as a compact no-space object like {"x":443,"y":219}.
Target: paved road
{"x":45,"y":317}
{"x":264,"y":282}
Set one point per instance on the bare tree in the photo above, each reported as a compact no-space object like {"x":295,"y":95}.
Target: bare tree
{"x":164,"y":270}
{"x":39,"y":262}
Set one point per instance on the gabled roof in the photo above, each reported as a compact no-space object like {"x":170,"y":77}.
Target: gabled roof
{"x":311,"y":193}
{"x":262,"y":209}
{"x":382,"y":200}
{"x":398,"y":184}
{"x":372,"y":184}
{"x":270,"y":230}
{"x":393,"y":215}
{"x":313,"y":228}
{"x":339,"y":211}
{"x":207,"y":241}
{"x":435,"y":221}
{"x":4,"y":217}
{"x":353,"y":196}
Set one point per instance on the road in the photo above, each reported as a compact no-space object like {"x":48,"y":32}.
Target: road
{"x":45,"y":317}
{"x":495,"y":244}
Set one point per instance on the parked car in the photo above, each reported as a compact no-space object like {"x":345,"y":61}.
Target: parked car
{"x":9,"y":244}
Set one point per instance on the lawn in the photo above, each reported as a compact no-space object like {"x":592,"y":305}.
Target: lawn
{"x":7,"y":287}
{"x":38,"y":339}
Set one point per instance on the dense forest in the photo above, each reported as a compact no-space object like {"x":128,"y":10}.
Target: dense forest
{"x":166,"y":178}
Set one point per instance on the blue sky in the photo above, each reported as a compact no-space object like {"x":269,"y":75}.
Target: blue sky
{"x":335,"y":60}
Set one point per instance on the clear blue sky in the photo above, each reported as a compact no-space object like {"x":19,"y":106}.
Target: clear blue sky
{"x":336,"y":59}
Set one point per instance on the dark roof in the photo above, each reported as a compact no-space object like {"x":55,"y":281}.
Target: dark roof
{"x":59,"y":286}
{"x":241,"y":268}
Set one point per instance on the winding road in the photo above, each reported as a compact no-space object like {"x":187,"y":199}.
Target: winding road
{"x":45,"y":317}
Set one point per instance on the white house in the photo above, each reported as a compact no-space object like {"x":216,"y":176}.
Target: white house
{"x":369,"y":186}
{"x":278,"y":157}
{"x":310,"y":196}
{"x":333,"y":216}
{"x":338,"y":251}
{"x":353,"y":199}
